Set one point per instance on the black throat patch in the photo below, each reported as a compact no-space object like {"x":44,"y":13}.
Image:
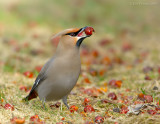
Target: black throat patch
{"x":80,"y":41}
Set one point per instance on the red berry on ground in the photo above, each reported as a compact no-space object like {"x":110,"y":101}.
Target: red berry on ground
{"x":112,"y":82}
{"x":34,"y":118}
{"x":9,"y":106}
{"x":148,"y":98}
{"x":95,"y":53}
{"x":107,"y":101}
{"x":151,"y":112}
{"x":141,"y":96}
{"x":157,"y":108}
{"x":38,"y":68}
{"x":89,"y":91}
{"x":73,"y":108}
{"x":112,"y":96}
{"x":147,"y":77}
{"x":93,"y":72}
{"x":126,"y":46}
{"x":124,"y":110}
{"x":28,"y":74}
{"x":89,"y":108}
{"x":86,"y":80}
{"x":115,"y":83}
{"x":99,"y":119}
{"x":86,"y":101}
{"x":56,"y":105}
{"x":23,"y":88}
{"x":63,"y":119}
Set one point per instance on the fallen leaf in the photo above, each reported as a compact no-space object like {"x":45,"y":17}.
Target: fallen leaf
{"x":16,"y":120}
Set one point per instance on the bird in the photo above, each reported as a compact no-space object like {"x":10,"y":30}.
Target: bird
{"x":60,"y":73}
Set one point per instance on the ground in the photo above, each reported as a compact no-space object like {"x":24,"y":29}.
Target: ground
{"x":120,"y":62}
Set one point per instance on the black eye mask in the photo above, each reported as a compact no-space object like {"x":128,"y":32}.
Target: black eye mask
{"x":74,"y":33}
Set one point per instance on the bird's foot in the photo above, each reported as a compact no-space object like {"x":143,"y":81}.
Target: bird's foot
{"x":65,"y":101}
{"x":44,"y":106}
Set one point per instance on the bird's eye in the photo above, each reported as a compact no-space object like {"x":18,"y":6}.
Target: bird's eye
{"x":72,"y":34}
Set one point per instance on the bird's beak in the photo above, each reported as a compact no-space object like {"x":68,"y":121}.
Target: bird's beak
{"x":82,"y":32}
{"x":82,"y":35}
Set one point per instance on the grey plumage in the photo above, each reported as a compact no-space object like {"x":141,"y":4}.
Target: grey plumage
{"x":60,"y":74}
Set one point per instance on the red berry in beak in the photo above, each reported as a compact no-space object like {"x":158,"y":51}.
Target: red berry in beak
{"x":89,"y":30}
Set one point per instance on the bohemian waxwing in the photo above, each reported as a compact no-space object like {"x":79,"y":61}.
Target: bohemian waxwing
{"x":60,"y":74}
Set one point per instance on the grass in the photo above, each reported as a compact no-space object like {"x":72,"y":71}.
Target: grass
{"x":25,"y":29}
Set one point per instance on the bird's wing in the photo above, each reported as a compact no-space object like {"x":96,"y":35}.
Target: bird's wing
{"x":40,"y":78}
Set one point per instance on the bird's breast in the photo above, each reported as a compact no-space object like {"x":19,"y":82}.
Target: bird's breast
{"x":68,"y":70}
{"x":62,"y":77}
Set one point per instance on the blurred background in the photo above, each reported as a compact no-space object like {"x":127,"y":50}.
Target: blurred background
{"x":104,"y":15}
{"x":125,"y":49}
{"x":26,"y":26}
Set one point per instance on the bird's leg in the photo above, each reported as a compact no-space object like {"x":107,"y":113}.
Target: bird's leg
{"x":43,"y":102}
{"x":61,"y":106}
{"x":64,"y":99}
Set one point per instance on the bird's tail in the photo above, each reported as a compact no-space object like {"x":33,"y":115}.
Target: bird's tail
{"x":25,"y":99}
{"x":31,"y":95}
